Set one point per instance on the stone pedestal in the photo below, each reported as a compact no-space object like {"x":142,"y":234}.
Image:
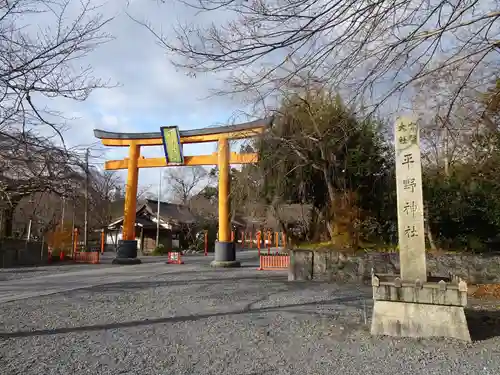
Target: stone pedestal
{"x":301,"y":265}
{"x":434,"y":308}
{"x":126,"y":253}
{"x":225,"y":255}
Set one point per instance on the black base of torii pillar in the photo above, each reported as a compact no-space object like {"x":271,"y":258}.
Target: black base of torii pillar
{"x":225,"y":255}
{"x":126,"y":253}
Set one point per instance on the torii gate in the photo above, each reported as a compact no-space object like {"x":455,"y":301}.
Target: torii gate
{"x":225,"y":254}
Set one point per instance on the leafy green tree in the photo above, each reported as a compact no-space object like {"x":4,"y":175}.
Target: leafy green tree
{"x":319,"y":152}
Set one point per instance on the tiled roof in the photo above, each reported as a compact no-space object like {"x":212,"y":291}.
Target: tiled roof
{"x":171,"y":211}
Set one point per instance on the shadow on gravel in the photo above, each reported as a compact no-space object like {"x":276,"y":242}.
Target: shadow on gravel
{"x":22,"y":269}
{"x":483,"y":324}
{"x":138,"y":285}
{"x":248,"y":309}
{"x":113,"y":286}
{"x":254,"y":266}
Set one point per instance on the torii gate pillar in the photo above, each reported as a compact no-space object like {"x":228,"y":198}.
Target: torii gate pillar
{"x":225,"y":251}
{"x":127,"y":250}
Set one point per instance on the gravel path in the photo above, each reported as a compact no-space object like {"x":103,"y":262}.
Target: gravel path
{"x":30,"y":272}
{"x":204,"y":321}
{"x":19,"y":273}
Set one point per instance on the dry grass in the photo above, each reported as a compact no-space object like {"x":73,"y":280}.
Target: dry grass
{"x":316,"y":246}
{"x":366,"y":248}
{"x":486,"y":291}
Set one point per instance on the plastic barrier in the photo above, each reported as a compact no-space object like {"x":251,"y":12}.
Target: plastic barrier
{"x":268,"y":243}
{"x":86,"y":257}
{"x":274,"y":262}
{"x":258,"y":234}
{"x":174,"y":257}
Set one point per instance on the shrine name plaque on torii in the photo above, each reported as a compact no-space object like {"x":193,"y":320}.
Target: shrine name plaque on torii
{"x":172,"y":141}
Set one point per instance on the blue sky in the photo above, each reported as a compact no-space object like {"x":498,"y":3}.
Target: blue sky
{"x":151,"y":92}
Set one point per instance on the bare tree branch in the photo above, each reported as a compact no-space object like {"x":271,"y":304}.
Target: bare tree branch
{"x":38,"y":62}
{"x":374,"y":49}
{"x":183,"y":183}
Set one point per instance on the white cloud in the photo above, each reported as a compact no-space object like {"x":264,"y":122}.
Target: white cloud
{"x":110,"y":121}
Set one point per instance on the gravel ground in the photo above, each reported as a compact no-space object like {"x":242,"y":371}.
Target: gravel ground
{"x":29,"y":272}
{"x":237,"y":322}
{"x":20,"y":273}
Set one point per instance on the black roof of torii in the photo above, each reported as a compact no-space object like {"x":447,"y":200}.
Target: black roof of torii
{"x":262,"y":123}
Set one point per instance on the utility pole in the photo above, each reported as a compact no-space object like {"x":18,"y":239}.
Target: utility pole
{"x":29,"y":232}
{"x":31,"y":220}
{"x":62,"y":213}
{"x":85,"y":231}
{"x":158,"y":211}
{"x":73,"y":223}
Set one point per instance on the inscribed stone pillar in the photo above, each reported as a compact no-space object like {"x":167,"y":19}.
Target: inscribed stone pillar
{"x":410,"y":201}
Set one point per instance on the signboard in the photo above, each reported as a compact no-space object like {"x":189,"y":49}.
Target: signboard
{"x":172,"y":145}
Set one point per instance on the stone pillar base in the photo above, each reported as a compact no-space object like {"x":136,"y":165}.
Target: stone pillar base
{"x":434,"y":308}
{"x":126,"y":254}
{"x":222,"y":264}
{"x":126,"y":261}
{"x":225,"y":255}
{"x":406,"y":319}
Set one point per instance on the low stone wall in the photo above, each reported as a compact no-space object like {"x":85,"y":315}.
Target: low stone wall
{"x":330,"y":265}
{"x":19,"y":253}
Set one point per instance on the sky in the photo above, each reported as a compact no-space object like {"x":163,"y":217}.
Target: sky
{"x":151,"y":93}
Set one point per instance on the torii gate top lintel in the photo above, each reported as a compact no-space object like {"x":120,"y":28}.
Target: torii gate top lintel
{"x":210,"y":134}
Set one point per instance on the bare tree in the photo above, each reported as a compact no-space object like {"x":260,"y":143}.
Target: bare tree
{"x":40,"y":41}
{"x":183,"y":182}
{"x":38,"y":62}
{"x":102,"y":189}
{"x":374,"y":49}
{"x":454,"y":136}
{"x":29,"y":165}
{"x":44,"y":211}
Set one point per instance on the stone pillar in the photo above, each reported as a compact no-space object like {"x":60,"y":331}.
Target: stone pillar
{"x":127,"y":247}
{"x":413,"y":304}
{"x":410,"y":202}
{"x":225,"y":251}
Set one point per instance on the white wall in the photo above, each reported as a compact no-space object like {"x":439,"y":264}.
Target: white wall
{"x":112,"y":238}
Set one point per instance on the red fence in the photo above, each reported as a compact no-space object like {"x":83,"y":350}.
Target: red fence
{"x":274,"y":262}
{"x":86,"y":257}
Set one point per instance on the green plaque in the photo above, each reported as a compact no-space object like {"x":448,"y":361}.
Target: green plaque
{"x":172,"y":145}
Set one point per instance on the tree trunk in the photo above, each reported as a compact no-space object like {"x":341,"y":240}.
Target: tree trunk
{"x":428,"y":230}
{"x":314,"y":228}
{"x":274,"y":206}
{"x":330,"y":227}
{"x":330,"y":217}
{"x":6,"y":221}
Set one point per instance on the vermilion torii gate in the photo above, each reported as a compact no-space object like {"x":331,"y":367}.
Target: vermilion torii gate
{"x":225,"y":255}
